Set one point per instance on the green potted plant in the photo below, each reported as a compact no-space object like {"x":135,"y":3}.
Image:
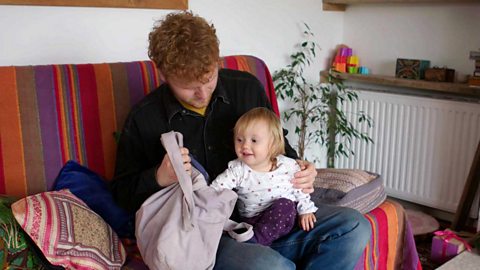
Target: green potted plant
{"x":316,"y":109}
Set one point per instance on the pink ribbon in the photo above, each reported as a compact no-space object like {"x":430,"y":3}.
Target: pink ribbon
{"x":446,"y":235}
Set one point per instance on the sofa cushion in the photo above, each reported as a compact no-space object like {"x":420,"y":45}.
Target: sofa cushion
{"x":56,"y":113}
{"x":67,"y":232}
{"x":93,"y":190}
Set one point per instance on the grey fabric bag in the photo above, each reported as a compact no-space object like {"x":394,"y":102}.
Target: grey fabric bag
{"x":180,"y":226}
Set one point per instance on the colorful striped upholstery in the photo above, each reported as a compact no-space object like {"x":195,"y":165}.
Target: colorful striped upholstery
{"x":391,"y":245}
{"x":54,"y":113}
{"x":259,"y":69}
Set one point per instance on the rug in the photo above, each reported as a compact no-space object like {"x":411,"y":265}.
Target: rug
{"x":421,"y":223}
{"x":423,"y":226}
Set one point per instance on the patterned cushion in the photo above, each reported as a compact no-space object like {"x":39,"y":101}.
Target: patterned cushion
{"x":15,"y":251}
{"x":357,"y":189}
{"x":343,"y":180}
{"x":68,"y":232}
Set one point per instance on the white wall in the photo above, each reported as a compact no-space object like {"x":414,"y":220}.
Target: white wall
{"x":441,"y":33}
{"x":269,"y":29}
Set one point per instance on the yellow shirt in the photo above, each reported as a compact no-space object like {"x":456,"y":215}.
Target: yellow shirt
{"x":200,"y":111}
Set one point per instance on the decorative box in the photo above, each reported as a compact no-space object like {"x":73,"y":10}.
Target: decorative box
{"x":446,"y":245}
{"x":440,"y":74}
{"x":411,"y":68}
{"x":474,"y":80}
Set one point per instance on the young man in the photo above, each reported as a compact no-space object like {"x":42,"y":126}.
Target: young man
{"x":203,"y":103}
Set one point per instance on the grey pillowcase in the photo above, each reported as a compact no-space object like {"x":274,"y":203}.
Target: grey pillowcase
{"x":357,"y":189}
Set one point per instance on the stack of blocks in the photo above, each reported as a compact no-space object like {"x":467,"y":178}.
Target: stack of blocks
{"x":346,"y":62}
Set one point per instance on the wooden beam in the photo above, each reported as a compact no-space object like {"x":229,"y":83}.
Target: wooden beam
{"x":333,"y":7}
{"x":352,"y":2}
{"x":154,"y":4}
{"x":469,"y":191}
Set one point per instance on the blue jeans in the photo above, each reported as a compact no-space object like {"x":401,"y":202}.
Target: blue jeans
{"x":337,"y":241}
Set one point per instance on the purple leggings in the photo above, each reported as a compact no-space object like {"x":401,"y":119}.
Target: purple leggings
{"x":273,"y":223}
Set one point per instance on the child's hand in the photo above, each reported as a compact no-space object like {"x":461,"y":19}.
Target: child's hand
{"x":307,"y":221}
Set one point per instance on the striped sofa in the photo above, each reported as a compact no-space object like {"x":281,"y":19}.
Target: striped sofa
{"x":54,"y":113}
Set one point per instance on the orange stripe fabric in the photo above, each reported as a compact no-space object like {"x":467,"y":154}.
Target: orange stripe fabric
{"x":75,"y":114}
{"x":243,"y":64}
{"x":371,"y":246}
{"x":62,"y":130}
{"x":393,"y":232}
{"x":11,"y":133}
{"x":32,"y":139}
{"x":156,"y":77}
{"x":145,"y":78}
{"x":106,"y":107}
{"x":2,"y":175}
{"x":121,"y":94}
{"x":402,"y":236}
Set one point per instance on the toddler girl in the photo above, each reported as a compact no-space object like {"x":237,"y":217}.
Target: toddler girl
{"x":261,"y":177}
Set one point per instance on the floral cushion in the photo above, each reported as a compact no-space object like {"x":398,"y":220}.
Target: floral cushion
{"x":16,"y":252}
{"x":68,"y":233}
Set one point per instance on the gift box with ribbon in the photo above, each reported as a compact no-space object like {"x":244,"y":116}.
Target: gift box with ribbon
{"x":446,"y":245}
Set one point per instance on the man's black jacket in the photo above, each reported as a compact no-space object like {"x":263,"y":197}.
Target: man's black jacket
{"x":209,"y":138}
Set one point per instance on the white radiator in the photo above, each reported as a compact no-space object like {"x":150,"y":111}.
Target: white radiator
{"x":423,"y":147}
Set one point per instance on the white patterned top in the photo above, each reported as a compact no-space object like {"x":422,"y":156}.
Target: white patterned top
{"x":258,"y":190}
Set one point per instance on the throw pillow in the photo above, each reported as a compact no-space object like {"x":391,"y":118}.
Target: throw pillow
{"x":68,"y":233}
{"x":93,"y":190}
{"x":357,"y":189}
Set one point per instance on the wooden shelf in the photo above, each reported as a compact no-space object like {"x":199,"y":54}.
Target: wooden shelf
{"x":340,"y":5}
{"x":444,"y":87}
{"x":164,"y":4}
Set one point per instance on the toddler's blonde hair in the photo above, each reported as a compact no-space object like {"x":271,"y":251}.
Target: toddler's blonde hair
{"x":274,"y":125}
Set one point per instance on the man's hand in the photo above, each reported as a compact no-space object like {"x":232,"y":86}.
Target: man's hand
{"x":304,"y":179}
{"x":166,"y":174}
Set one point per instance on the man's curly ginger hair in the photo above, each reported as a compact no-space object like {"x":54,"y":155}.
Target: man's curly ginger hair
{"x":184,"y":46}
